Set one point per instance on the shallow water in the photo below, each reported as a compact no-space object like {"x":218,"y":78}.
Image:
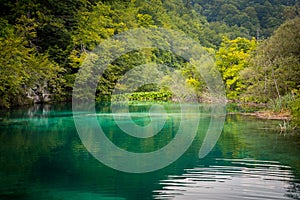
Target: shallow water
{"x":42,"y":157}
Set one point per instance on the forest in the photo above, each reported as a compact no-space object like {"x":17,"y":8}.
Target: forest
{"x":255,"y":45}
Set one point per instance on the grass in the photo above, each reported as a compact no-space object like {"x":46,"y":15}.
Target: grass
{"x":281,"y":104}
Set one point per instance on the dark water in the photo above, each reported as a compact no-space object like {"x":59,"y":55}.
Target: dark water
{"x":42,"y":157}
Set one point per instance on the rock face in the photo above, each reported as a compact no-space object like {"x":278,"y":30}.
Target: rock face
{"x":39,"y":94}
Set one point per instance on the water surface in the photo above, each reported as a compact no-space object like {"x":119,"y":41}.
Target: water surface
{"x":42,"y":157}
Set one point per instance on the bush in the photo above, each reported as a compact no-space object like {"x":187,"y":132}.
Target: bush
{"x":143,"y":96}
{"x":295,"y":110}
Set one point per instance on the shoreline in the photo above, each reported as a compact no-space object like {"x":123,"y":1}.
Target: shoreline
{"x":266,"y":115}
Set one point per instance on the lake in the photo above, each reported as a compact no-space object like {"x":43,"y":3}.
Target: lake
{"x":42,"y":156}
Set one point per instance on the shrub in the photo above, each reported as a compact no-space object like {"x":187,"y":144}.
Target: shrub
{"x":144,"y":96}
{"x":295,"y":110}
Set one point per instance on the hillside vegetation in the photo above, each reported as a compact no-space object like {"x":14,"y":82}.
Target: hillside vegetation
{"x":255,"y":44}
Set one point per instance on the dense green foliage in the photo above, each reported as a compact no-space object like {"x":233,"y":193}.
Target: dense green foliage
{"x":260,"y":18}
{"x":232,"y":58}
{"x":295,"y":108}
{"x":275,"y":68}
{"x":143,"y":96}
{"x":44,"y":43}
{"x":24,"y":70}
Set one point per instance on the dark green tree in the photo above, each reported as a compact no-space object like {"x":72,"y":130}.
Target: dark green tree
{"x":275,"y":68}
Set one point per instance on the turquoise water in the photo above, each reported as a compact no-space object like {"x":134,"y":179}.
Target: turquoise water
{"x":42,"y":157}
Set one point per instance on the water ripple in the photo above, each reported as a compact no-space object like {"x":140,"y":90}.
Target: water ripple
{"x":232,"y":179}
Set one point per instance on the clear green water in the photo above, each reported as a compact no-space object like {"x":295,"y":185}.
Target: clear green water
{"x":42,"y":157}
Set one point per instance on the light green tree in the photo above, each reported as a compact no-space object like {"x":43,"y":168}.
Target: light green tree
{"x":231,"y":58}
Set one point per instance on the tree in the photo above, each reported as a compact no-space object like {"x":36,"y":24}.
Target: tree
{"x":25,"y":73}
{"x":231,"y":59}
{"x":275,"y":68}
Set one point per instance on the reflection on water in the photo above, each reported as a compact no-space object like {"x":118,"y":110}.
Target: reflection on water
{"x":42,"y":157}
{"x":232,"y":179}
